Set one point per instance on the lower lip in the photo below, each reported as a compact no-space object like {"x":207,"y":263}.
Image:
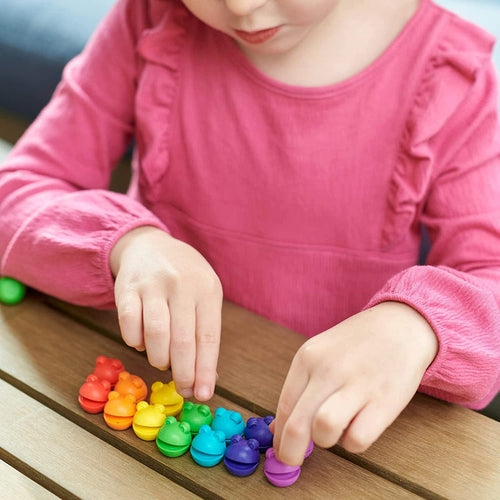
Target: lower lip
{"x":256,"y":37}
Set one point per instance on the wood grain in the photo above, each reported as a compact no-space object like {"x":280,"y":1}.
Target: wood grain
{"x":430,"y":449}
{"x":64,"y":454}
{"x":46,"y":356}
{"x":17,"y":485}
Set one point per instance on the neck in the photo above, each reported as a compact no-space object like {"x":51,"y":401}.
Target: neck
{"x":348,"y":40}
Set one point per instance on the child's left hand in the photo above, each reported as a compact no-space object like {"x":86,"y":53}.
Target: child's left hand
{"x":350,"y":382}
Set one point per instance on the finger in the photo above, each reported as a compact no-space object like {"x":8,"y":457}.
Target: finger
{"x":297,"y":430}
{"x":335,"y":415}
{"x":208,"y":331}
{"x":272,"y":426}
{"x":295,"y":383}
{"x":129,"y":309}
{"x":183,"y":345}
{"x":369,"y":424}
{"x":300,"y":399}
{"x":156,"y":325}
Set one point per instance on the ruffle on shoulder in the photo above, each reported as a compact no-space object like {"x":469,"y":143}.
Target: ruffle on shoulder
{"x":162,"y":43}
{"x":453,"y":73}
{"x":160,"y":49}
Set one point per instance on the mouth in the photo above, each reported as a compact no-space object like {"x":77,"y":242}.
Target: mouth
{"x":240,"y":469}
{"x":206,"y":459}
{"x":147,"y":433}
{"x":118,"y":423}
{"x":173,"y":409}
{"x":91,"y":406}
{"x":256,"y":37}
{"x":282,"y":479}
{"x":171,"y":450}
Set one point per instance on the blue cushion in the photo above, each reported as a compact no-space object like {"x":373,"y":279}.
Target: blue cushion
{"x":37,"y":38}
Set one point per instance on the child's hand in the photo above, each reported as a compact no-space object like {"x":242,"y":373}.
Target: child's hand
{"x":350,"y":382}
{"x":169,"y":303}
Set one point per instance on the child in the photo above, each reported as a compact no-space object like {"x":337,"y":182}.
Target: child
{"x":289,"y":152}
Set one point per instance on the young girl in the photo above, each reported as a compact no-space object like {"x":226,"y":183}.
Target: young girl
{"x":287,"y":152}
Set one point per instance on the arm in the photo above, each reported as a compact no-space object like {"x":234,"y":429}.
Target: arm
{"x":62,"y":232}
{"x":435,"y":328}
{"x":458,"y":292}
{"x":55,"y":211}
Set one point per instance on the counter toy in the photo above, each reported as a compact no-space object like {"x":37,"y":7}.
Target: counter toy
{"x":310,"y":448}
{"x":208,"y":446}
{"x":131,"y":384}
{"x":229,"y":422}
{"x":174,"y":437}
{"x":108,"y":369}
{"x":278,"y":473}
{"x":148,"y":420}
{"x":242,"y":456}
{"x":93,"y":394}
{"x":196,"y":415}
{"x":119,"y":410}
{"x":166,"y":395}
{"x":258,"y":428}
{"x":11,"y":291}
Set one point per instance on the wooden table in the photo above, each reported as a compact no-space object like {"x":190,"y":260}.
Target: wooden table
{"x":50,"y":447}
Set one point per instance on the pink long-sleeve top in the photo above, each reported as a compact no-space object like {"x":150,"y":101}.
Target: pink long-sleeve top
{"x":308,"y":202}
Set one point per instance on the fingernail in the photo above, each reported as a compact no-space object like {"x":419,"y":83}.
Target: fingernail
{"x":186,"y":393}
{"x":203,"y":393}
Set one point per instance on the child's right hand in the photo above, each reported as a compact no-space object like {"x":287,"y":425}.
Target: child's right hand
{"x":350,"y":382}
{"x":169,"y":302}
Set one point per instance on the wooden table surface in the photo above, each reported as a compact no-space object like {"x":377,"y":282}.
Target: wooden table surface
{"x":49,"y":447}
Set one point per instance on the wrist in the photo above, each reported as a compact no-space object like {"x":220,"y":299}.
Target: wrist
{"x":124,"y":242}
{"x":413,"y":325}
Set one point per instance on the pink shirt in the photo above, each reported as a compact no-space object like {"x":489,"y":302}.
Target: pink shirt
{"x":306,"y":201}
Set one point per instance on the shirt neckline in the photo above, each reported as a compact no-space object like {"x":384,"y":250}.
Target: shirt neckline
{"x":239,"y":58}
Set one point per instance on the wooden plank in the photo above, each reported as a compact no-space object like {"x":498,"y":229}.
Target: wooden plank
{"x":17,"y":485}
{"x":9,"y":311}
{"x":250,"y":345}
{"x":72,"y":458}
{"x":48,"y":355}
{"x":458,"y":447}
